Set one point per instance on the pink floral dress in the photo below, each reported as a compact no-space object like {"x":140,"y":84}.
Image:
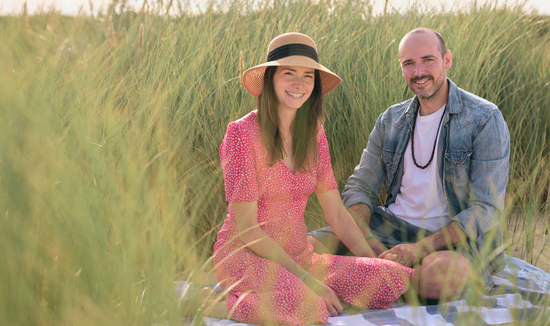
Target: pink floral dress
{"x":262,"y":290}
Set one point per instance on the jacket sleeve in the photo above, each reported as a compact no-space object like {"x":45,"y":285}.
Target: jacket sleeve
{"x":364,"y":185}
{"x":488,"y":178}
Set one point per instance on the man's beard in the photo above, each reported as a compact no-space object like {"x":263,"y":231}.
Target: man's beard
{"x":438,"y":87}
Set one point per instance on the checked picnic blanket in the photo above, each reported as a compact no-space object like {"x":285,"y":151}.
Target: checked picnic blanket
{"x":522,"y":294}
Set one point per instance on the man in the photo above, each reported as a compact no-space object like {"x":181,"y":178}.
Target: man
{"x":444,"y":156}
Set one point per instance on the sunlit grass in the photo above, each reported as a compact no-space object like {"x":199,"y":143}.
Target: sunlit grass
{"x":111,"y":186}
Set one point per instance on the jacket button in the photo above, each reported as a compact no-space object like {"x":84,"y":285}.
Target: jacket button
{"x":388,"y":162}
{"x":457,"y":162}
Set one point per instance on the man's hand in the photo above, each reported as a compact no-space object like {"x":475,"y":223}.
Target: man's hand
{"x":409,"y":254}
{"x":405,"y":254}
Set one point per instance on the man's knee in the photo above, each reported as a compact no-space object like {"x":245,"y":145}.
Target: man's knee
{"x":324,"y":241}
{"x":318,"y":247}
{"x":444,"y":275}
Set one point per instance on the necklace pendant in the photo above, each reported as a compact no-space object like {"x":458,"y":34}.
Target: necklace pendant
{"x":286,"y":140}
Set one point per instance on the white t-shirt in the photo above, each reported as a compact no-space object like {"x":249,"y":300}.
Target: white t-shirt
{"x":420,"y":200}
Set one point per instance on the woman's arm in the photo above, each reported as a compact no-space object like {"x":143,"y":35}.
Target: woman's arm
{"x":246,"y":216}
{"x":343,"y":224}
{"x":361,"y":214}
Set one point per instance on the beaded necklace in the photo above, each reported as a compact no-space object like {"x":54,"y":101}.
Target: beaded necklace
{"x":435,"y":141}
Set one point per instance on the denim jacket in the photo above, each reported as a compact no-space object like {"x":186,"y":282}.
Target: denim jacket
{"x":474,"y":148}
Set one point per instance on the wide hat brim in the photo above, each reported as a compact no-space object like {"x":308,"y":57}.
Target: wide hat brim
{"x":253,"y":78}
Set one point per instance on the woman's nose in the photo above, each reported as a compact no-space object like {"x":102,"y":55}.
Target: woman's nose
{"x":297,"y":83}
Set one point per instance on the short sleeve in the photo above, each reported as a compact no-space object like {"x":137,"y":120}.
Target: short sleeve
{"x":237,"y":160}
{"x":325,"y":175}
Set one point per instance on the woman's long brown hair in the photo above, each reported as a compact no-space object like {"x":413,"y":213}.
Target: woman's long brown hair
{"x":304,"y":129}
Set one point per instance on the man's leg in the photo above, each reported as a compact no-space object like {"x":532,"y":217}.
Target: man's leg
{"x":441,"y":275}
{"x":318,"y":247}
{"x":387,"y":231}
{"x":325,"y":241}
{"x":444,"y":275}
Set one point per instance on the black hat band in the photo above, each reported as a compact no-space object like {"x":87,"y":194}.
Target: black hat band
{"x":293,"y":49}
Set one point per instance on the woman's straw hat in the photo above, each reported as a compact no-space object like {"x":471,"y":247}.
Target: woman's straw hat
{"x":290,"y":49}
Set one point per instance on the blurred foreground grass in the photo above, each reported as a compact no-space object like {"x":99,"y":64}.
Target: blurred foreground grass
{"x":110,"y":126}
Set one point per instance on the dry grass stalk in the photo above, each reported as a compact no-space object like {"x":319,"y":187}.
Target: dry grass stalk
{"x":145,"y":4}
{"x":91,"y":4}
{"x":168,"y":7}
{"x":241,"y":66}
{"x":112,"y":36}
{"x":25,"y":15}
{"x":141,"y":28}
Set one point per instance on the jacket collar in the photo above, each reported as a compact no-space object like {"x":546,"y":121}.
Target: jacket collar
{"x":454,"y":104}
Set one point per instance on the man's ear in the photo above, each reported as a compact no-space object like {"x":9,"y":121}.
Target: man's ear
{"x":447,"y":58}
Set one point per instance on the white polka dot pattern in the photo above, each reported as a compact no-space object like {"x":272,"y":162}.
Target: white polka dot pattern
{"x":263,"y":290}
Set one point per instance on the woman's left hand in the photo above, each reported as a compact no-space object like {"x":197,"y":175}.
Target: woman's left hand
{"x":334,"y":307}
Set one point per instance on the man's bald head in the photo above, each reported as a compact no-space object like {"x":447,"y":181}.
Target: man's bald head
{"x":422,"y":30}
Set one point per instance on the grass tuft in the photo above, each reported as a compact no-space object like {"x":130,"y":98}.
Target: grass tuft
{"x":111,"y":186}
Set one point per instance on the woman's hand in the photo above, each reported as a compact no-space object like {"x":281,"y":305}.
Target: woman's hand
{"x":406,"y":254}
{"x":327,"y":294}
{"x":376,"y":246}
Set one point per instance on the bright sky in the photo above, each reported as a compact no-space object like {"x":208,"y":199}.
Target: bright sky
{"x":71,"y":7}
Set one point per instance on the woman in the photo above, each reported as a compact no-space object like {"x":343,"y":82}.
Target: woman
{"x":273,"y":159}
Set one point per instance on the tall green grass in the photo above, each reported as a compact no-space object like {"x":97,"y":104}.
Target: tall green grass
{"x":111,"y":186}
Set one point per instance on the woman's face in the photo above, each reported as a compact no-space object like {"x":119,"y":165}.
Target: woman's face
{"x":293,"y":86}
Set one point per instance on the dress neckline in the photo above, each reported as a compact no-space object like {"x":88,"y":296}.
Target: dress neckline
{"x":286,"y":168}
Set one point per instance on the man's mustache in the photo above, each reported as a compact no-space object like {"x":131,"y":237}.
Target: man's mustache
{"x":415,"y":79}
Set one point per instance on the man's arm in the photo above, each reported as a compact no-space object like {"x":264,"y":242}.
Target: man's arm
{"x":445,"y":239}
{"x":488,"y":177}
{"x":366,"y":181}
{"x":487,"y":184}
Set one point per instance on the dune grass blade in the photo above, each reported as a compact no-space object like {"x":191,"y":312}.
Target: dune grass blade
{"x":110,"y":181}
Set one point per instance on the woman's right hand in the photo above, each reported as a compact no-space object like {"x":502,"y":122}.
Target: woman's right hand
{"x":334,"y":307}
{"x":376,"y":246}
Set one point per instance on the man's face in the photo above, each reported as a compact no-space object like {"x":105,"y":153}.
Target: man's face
{"x":423,"y":66}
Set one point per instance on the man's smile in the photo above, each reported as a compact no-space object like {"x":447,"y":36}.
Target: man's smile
{"x":421,"y":81}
